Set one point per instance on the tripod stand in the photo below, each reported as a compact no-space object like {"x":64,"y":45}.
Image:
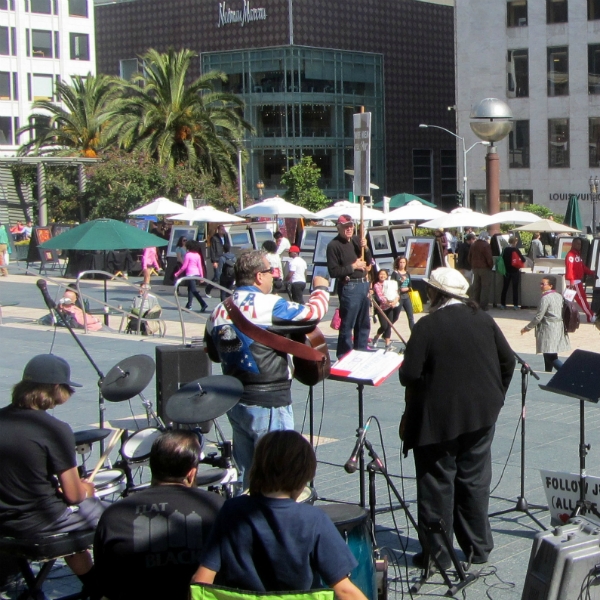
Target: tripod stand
{"x":522,"y":505}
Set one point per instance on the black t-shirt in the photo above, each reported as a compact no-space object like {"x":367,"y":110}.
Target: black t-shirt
{"x":149,"y":544}
{"x":34,"y":446}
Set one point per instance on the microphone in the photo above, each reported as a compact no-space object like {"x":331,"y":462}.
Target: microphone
{"x":351,"y":463}
{"x":44,"y":289}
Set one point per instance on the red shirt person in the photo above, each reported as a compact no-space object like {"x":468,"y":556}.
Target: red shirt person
{"x":575,"y":272}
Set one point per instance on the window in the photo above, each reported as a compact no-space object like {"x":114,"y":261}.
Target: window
{"x":5,"y":85}
{"x":558,"y":71}
{"x":4,"y":41}
{"x":518,"y":145}
{"x":516,"y":13}
{"x":43,"y":7}
{"x":448,"y":162}
{"x":517,"y":77}
{"x":423,"y":173}
{"x":128,"y":68}
{"x":593,"y":68}
{"x":80,"y":46}
{"x":556,"y":11}
{"x":41,"y":87}
{"x":594,"y":136}
{"x":41,"y":44}
{"x":13,"y":41}
{"x":558,"y":143}
{"x":593,"y":10}
{"x":78,"y":8}
{"x":6,"y":131}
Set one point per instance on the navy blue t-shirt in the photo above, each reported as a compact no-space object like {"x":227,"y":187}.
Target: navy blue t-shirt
{"x":275,"y":544}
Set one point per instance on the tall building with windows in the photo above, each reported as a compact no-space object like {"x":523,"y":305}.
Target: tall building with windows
{"x":41,"y":42}
{"x":303,"y":68}
{"x":543,"y":58}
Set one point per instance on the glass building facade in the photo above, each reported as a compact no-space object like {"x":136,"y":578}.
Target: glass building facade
{"x":300,"y":101}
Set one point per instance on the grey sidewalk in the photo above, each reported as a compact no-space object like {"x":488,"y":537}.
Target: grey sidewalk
{"x":552,"y":427}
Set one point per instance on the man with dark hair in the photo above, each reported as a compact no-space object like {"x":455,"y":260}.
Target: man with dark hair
{"x":226,"y":270}
{"x":481,"y":261}
{"x":266,"y":402}
{"x":215,"y":251}
{"x":267,"y":541}
{"x":282,"y":242}
{"x":345,"y":263}
{"x":149,"y":544}
{"x":41,"y":493}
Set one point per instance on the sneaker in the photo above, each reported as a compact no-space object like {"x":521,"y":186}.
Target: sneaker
{"x":502,"y":307}
{"x":516,"y":307}
{"x":207,"y":294}
{"x":593,"y":319}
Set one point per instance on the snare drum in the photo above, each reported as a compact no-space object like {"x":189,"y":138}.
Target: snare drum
{"x":109,"y":481}
{"x":308,"y":496}
{"x":137,"y":448}
{"x":354,"y":525}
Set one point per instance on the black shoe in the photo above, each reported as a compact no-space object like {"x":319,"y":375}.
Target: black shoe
{"x":204,"y":308}
{"x":419,"y":560}
{"x":189,"y":307}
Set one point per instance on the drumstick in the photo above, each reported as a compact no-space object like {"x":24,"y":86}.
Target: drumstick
{"x":111,"y":444}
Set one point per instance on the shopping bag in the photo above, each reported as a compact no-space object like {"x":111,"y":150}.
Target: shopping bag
{"x":336,"y":321}
{"x":415,"y":300}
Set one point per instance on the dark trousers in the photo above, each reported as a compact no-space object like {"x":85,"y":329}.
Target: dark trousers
{"x":511,"y":278}
{"x":405,"y":304}
{"x":296,"y":291}
{"x":549,"y":358}
{"x":384,"y":327}
{"x":453,"y":484}
{"x":227,"y":284}
{"x":354,"y":312}
{"x":193,"y":293}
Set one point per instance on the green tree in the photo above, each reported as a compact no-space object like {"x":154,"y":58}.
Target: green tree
{"x":302,"y":185}
{"x":79,"y":128}
{"x":543,"y":211}
{"x":178,"y":123}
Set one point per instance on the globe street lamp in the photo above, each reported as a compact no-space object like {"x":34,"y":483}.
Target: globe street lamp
{"x":465,"y":152}
{"x":260,"y":186}
{"x":594,"y":187}
{"x":492,"y":122}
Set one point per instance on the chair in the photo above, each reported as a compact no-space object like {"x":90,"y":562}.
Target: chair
{"x":46,"y":550}
{"x":151,"y":318}
{"x":201,"y":591}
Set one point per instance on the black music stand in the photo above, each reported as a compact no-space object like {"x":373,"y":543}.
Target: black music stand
{"x":579,"y":377}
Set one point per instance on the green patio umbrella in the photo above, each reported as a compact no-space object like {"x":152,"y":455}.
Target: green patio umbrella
{"x":402,"y":199}
{"x":573,"y":215}
{"x":104,"y":234}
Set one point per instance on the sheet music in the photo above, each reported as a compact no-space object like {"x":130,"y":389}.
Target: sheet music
{"x":372,"y":367}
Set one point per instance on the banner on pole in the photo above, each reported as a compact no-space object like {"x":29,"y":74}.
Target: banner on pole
{"x":362,"y":154}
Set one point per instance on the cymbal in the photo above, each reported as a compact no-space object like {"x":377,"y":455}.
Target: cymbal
{"x":89,"y":436}
{"x":128,"y":378}
{"x":204,"y":399}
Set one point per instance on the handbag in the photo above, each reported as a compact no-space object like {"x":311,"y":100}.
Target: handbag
{"x":500,"y":265}
{"x":516,"y":262}
{"x":311,"y":358}
{"x":415,"y":300}
{"x":336,"y":321}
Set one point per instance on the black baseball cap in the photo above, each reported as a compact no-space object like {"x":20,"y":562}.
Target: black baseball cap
{"x":48,"y":368}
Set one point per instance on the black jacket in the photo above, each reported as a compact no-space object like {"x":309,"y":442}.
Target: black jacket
{"x":216,"y":248}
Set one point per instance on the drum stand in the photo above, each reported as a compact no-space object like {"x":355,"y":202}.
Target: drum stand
{"x":465,"y":579}
{"x":522,"y":506}
{"x":151,"y":413}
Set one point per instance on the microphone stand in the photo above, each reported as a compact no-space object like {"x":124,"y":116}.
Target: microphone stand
{"x":522,"y":505}
{"x":465,"y":579}
{"x":52,"y":308}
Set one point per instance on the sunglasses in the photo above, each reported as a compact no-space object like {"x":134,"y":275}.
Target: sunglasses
{"x":269,"y":270}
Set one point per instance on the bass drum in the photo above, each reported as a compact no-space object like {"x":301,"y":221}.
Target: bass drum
{"x":354,"y":525}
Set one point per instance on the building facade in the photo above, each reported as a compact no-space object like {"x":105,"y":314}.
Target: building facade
{"x":41,"y":42}
{"x":543,"y":58}
{"x":304,"y":67}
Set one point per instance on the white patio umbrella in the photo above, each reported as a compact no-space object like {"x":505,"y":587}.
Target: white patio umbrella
{"x":160,"y":206}
{"x":517,"y":217}
{"x":547,"y":225}
{"x":276,"y":207}
{"x":464,"y":218}
{"x":345,"y":207}
{"x":415,"y":211}
{"x":206,"y":214}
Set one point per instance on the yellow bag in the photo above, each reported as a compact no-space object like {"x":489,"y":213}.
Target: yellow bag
{"x":415,"y":300}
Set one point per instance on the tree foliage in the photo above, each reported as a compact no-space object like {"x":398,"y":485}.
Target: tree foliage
{"x":302,"y":181}
{"x":543,"y":211}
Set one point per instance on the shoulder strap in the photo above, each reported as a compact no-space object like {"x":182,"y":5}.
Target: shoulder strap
{"x":267,"y":338}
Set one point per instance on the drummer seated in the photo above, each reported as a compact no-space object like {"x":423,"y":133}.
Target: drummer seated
{"x":148,"y":545}
{"x":266,"y":541}
{"x":41,"y":494}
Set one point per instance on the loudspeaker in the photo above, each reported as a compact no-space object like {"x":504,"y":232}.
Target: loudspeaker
{"x":176,"y":366}
{"x":564,"y":563}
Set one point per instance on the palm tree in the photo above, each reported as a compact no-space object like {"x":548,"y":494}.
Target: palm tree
{"x":79,"y":128}
{"x":177,"y":123}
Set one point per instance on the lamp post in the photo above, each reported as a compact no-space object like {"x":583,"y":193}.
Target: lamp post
{"x":465,"y":152}
{"x":260,"y":186}
{"x":594,"y":187}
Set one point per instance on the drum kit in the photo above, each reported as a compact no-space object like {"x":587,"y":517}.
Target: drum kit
{"x":196,"y":405}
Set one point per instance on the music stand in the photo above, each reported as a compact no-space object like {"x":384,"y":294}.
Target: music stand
{"x":579,"y":377}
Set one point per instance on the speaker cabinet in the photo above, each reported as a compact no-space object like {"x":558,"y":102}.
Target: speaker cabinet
{"x":176,"y":366}
{"x":565,"y":563}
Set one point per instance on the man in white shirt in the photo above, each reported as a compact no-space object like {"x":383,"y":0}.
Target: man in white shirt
{"x":282,"y":242}
{"x":296,"y":275}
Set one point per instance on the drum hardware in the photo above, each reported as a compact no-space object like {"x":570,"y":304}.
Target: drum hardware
{"x":111,"y":444}
{"x":108,"y":482}
{"x":83,"y":444}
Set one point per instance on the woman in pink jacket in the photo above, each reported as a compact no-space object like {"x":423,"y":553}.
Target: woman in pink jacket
{"x":193,"y":265}
{"x":149,"y":261}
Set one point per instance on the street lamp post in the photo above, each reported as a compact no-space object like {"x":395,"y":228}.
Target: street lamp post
{"x":260,"y":186}
{"x":465,"y":152}
{"x":594,"y":187}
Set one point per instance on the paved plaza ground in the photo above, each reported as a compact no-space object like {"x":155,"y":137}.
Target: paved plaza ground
{"x":552,"y":426}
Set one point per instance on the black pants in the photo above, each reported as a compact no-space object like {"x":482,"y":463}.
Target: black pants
{"x":549,"y":358}
{"x":511,"y":278}
{"x":453,"y":484}
{"x":227,"y":283}
{"x":296,"y":291}
{"x":384,"y":327}
{"x":194,"y":293}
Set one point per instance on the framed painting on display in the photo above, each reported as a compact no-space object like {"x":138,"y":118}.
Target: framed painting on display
{"x":419,"y":252}
{"x":177,"y":231}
